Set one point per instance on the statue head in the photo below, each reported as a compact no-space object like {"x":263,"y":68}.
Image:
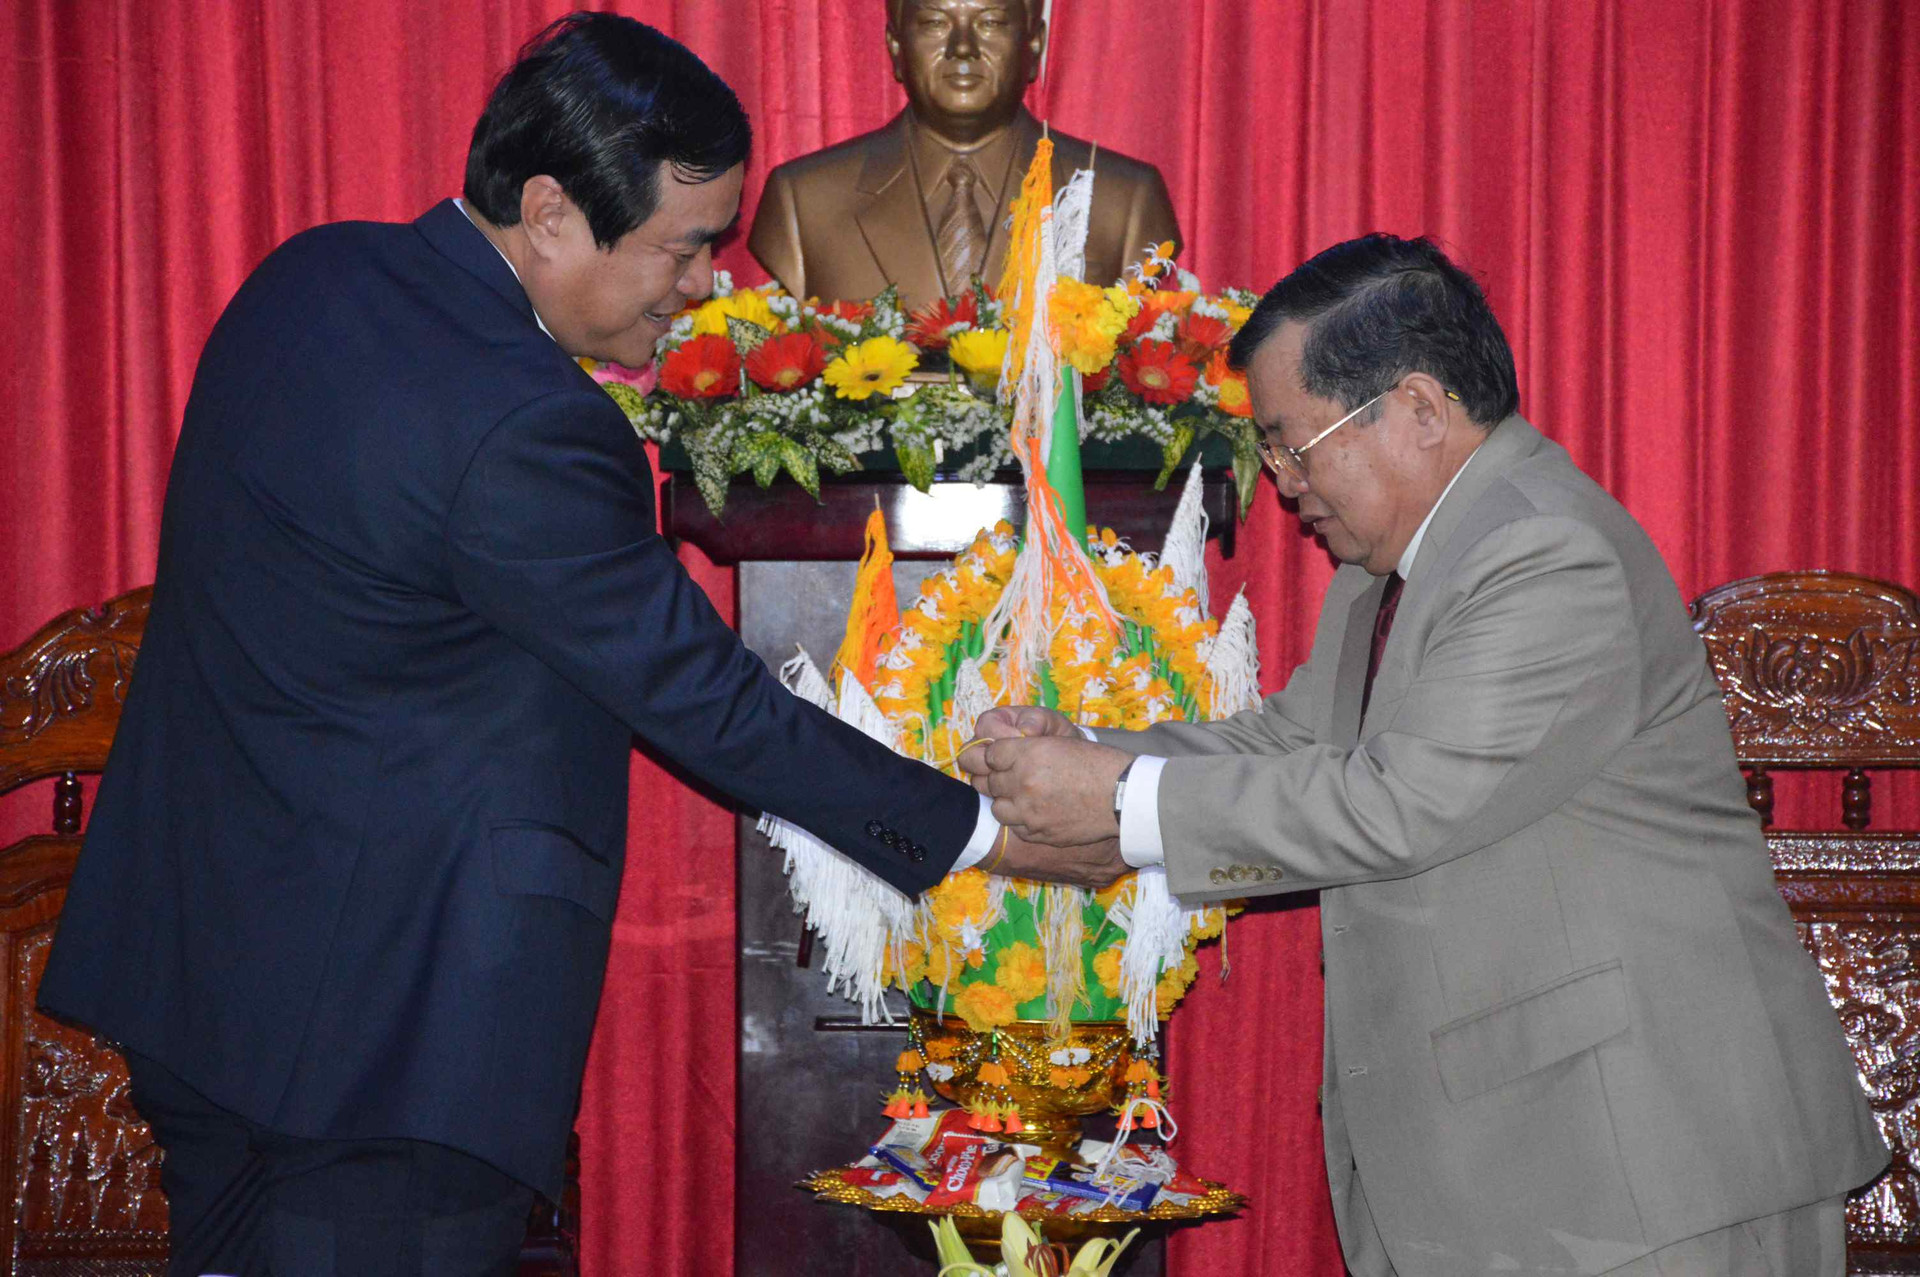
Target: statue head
{"x":965,"y":64}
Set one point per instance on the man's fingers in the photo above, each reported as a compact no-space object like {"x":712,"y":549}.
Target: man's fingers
{"x":972,"y":756}
{"x":1002,"y":720}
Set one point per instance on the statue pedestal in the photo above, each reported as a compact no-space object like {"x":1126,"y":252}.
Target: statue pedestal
{"x":810,"y":1075}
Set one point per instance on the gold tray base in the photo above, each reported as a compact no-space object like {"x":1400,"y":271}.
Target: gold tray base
{"x":831,"y":1186}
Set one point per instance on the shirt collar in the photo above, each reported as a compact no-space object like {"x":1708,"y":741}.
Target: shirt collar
{"x":990,"y":163}
{"x":1412,"y":551}
{"x":462,"y":206}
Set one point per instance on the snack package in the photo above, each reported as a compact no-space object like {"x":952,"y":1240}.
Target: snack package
{"x":1069,"y":1179}
{"x":942,"y":1162}
{"x":882,"y":1182}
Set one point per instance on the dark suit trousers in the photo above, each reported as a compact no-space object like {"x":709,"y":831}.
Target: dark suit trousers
{"x":245,"y":1201}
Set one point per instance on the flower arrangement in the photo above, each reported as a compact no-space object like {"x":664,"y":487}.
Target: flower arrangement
{"x":1065,"y":616}
{"x":976,"y":945}
{"x":756,"y":381}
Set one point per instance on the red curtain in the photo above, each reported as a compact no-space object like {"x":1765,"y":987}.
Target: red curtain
{"x":1697,"y":222}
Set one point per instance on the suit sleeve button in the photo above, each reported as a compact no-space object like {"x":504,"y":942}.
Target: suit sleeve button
{"x":1237,"y":874}
{"x":874,"y":829}
{"x":917,"y":852}
{"x":1216,"y":875}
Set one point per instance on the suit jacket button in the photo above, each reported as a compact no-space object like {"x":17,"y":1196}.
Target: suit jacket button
{"x":875,"y":829}
{"x":917,"y":852}
{"x":1216,"y":875}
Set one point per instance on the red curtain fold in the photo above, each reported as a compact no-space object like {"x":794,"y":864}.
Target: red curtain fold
{"x":1697,"y":222}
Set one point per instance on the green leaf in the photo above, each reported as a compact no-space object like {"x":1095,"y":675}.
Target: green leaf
{"x":1170,"y":453}
{"x":916,"y":464}
{"x":746,"y":335}
{"x":800,"y":464}
{"x":760,"y":453}
{"x":631,"y":401}
{"x":835,"y":456}
{"x":711,"y":474}
{"x":1246,"y":471}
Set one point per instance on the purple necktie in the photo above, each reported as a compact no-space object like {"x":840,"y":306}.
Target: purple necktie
{"x":1382,"y":626}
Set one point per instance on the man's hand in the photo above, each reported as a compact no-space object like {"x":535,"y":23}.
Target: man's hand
{"x":1003,"y":721}
{"x":1048,"y":788}
{"x":1093,"y":865}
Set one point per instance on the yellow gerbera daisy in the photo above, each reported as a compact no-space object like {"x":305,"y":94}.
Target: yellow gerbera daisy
{"x":873,"y":367}
{"x":979,"y":352}
{"x":748,"y":304}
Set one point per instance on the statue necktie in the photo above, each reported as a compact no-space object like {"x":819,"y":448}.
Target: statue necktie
{"x":962,"y":238}
{"x":1382,"y":625}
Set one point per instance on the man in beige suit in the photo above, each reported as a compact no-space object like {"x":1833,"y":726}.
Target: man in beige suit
{"x":1568,"y":1026}
{"x":923,"y":201}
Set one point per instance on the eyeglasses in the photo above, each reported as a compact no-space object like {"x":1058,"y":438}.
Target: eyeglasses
{"x":1292,"y":462}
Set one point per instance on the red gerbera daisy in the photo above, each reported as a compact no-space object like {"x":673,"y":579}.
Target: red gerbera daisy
{"x":1093,"y":383}
{"x":928,"y":327}
{"x":1158,"y":373}
{"x":786,"y":362}
{"x":707,"y":367}
{"x":852,"y":312}
{"x":1200,"y":335}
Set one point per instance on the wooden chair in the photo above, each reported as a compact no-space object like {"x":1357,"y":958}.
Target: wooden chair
{"x":77,"y":1164}
{"x":1822,"y":672}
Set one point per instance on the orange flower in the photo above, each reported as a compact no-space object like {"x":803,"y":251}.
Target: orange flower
{"x":1234,"y":400}
{"x":1152,"y":306}
{"x":786,"y":362}
{"x":985,"y":1007}
{"x":706,"y":367}
{"x":1200,"y":335}
{"x":928,"y":327}
{"x":1158,"y":373}
{"x":852,"y":312}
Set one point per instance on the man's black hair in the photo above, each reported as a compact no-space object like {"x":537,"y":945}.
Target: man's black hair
{"x":1379,"y":307}
{"x":600,"y":103}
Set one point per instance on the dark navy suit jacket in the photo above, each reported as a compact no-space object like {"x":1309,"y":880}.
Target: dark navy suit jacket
{"x":353,"y":864}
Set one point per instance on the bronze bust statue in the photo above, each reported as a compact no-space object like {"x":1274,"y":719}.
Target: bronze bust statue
{"x":922,"y":202}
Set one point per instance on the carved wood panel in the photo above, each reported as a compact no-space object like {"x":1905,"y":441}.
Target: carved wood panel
{"x":81,"y":1169}
{"x":61,"y":691}
{"x":1856,"y":904}
{"x":1819,"y":669}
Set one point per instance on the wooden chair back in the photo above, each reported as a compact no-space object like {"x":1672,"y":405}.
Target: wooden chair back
{"x":1822,"y":673}
{"x":79,"y":1168}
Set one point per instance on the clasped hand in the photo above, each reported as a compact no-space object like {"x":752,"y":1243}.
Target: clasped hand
{"x":1053,"y":789}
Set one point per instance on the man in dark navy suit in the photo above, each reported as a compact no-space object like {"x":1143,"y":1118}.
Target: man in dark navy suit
{"x":348,"y":887}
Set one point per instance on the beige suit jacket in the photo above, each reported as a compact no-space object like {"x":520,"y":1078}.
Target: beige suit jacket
{"x":1567,"y":1018}
{"x":844,"y":222}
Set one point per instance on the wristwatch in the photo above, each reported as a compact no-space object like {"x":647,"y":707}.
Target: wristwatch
{"x":1120,"y":790}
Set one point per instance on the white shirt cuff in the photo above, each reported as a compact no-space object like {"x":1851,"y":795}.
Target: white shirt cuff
{"x":985,"y":830}
{"x":1140,"y":843}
